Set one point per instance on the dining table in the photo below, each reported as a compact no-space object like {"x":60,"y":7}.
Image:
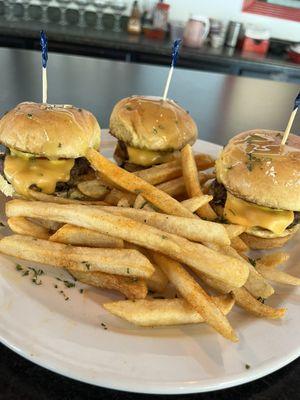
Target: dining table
{"x":221,"y":105}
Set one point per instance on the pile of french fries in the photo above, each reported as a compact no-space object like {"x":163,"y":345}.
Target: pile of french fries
{"x":143,"y":232}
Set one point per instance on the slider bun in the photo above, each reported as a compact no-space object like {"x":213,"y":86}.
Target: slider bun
{"x":52,"y":131}
{"x":270,"y":177}
{"x":261,"y":242}
{"x":153,"y":124}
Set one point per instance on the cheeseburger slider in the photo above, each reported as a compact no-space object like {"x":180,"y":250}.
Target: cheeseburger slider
{"x":258,"y":182}
{"x":150,"y":131}
{"x":45,"y":147}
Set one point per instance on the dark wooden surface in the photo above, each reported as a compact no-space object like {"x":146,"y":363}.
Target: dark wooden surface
{"x":221,"y":105}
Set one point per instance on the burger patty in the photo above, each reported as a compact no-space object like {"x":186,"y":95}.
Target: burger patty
{"x":218,"y":191}
{"x":81,"y":167}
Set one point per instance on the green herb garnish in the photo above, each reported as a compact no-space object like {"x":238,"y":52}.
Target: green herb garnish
{"x":261,"y":299}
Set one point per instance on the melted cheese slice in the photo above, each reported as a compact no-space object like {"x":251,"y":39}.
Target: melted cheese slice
{"x":241,"y":212}
{"x":147,"y":158}
{"x":23,"y":172}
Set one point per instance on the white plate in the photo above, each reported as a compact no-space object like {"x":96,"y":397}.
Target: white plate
{"x":67,"y":336}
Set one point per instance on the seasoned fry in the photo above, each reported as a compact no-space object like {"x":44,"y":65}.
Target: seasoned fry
{"x":49,"y":225}
{"x":194,"y":203}
{"x":94,"y":189}
{"x":255,"y":284}
{"x":276,"y":275}
{"x":139,"y":202}
{"x":23,"y":226}
{"x":130,"y":287}
{"x":227,"y":269}
{"x":114,"y":261}
{"x":196,"y":230}
{"x":176,"y":187}
{"x":191,"y":180}
{"x":239,"y":245}
{"x":62,"y":200}
{"x":234,"y":230}
{"x":172,"y":169}
{"x":195,"y":295}
{"x":273,"y":259}
{"x":115,"y":195}
{"x":123,"y":202}
{"x":244,"y":299}
{"x":136,"y":185}
{"x":163,"y":312}
{"x":78,"y":236}
{"x":158,"y":281}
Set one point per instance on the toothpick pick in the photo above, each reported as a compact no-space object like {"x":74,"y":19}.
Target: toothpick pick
{"x":44,"y":46}
{"x":289,"y":126}
{"x":175,"y":51}
{"x":45,"y":85}
{"x":291,"y":120}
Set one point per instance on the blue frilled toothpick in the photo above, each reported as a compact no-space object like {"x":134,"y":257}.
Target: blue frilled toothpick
{"x":44,"y":48}
{"x":175,"y":51}
{"x":291,"y":120}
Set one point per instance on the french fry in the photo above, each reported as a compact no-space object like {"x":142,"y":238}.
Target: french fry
{"x":196,"y":230}
{"x":176,"y":187}
{"x":139,"y":202}
{"x":47,"y":224}
{"x":275,"y":275}
{"x":114,"y":261}
{"x":227,"y":269}
{"x":245,"y":300}
{"x":123,"y":202}
{"x":239,"y":245}
{"x":62,"y":200}
{"x":78,"y":236}
{"x":193,"y":293}
{"x":194,"y":203}
{"x":191,"y":180}
{"x":234,"y":230}
{"x":158,"y":281}
{"x":172,"y":169}
{"x":255,"y":284}
{"x":94,"y":189}
{"x":23,"y":226}
{"x":130,"y":287}
{"x":115,"y":195}
{"x":163,"y":312}
{"x":136,"y":185}
{"x":273,"y":259}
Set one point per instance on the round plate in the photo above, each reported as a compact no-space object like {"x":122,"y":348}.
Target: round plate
{"x":79,"y":339}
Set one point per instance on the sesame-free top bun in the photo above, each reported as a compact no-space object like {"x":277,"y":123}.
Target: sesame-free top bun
{"x":255,"y":167}
{"x":52,"y":131}
{"x":153,"y":124}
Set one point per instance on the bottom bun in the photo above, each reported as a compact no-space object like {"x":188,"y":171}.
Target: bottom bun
{"x":259,"y":243}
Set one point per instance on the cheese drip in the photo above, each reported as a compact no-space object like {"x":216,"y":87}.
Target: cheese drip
{"x":146,"y":158}
{"x":24,"y":172}
{"x":241,"y":212}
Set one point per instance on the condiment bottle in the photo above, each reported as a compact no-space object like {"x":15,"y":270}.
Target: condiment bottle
{"x":134,"y":23}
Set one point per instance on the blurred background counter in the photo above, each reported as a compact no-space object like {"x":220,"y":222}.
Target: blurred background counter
{"x":233,"y":39}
